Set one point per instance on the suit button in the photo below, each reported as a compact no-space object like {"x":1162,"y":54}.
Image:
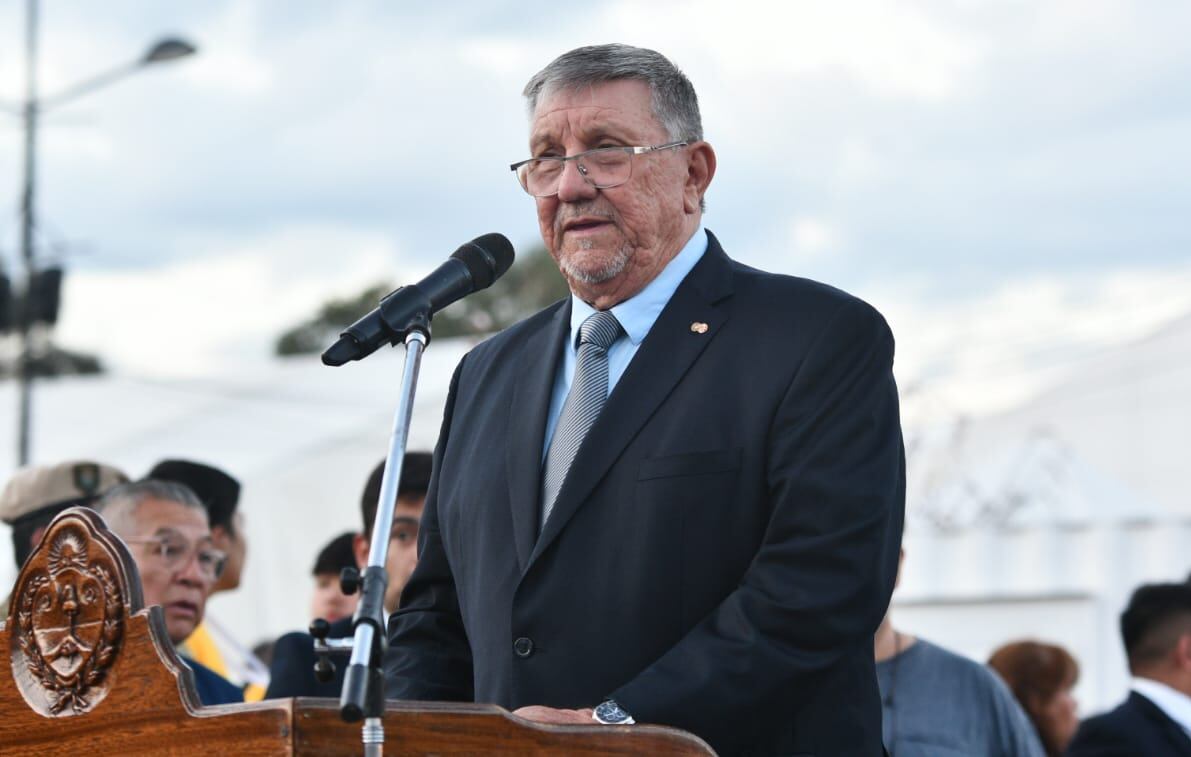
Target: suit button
{"x":523,"y":647}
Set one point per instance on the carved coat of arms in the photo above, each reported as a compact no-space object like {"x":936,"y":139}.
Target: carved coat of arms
{"x":69,"y":619}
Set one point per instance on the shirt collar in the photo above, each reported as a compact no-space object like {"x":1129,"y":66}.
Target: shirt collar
{"x":1173,"y":702}
{"x":638,"y":313}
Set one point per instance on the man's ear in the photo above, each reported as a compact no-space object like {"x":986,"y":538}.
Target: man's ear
{"x":1183,"y":652}
{"x":360,"y":547}
{"x":35,"y":537}
{"x":700,"y":170}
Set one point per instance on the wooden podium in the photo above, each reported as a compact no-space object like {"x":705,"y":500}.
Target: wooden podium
{"x":86,"y":670}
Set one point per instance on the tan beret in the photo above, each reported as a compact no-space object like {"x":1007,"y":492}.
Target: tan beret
{"x":45,"y":487}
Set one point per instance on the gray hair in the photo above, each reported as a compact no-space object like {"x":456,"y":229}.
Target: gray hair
{"x":119,"y":505}
{"x":675,"y":104}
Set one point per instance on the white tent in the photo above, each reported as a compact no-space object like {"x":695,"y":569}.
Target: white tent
{"x":1041,"y":521}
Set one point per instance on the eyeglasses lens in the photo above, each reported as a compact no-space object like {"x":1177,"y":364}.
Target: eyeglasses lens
{"x":600,"y":168}
{"x":176,"y":554}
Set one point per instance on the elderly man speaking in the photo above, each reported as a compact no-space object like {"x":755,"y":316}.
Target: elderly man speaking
{"x":675,"y":497}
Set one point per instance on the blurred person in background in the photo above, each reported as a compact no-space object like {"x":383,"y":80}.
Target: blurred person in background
{"x":263,"y":650}
{"x":403,"y":539}
{"x":292,"y":669}
{"x":936,"y":703}
{"x":219,"y":492}
{"x":36,"y":493}
{"x":1155,"y":720}
{"x":329,"y":602}
{"x":212,"y":644}
{"x":1042,"y":677}
{"x":165,"y":527}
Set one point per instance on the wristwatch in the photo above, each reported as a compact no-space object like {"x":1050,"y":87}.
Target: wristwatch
{"x":610,"y":713}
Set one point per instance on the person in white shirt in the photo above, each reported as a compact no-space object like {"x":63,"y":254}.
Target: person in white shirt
{"x":1155,"y":720}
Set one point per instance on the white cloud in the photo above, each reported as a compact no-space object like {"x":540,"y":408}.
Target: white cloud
{"x":230,"y":71}
{"x":507,"y":56}
{"x":859,"y":163}
{"x":892,"y":49}
{"x":811,"y":238}
{"x":979,"y":355}
{"x":223,"y":305}
{"x":232,"y":55}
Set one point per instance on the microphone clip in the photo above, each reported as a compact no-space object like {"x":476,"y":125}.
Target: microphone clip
{"x":324,"y":668}
{"x":405,"y":314}
{"x":401,"y":317}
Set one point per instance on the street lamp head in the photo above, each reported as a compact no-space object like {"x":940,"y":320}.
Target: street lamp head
{"x":170,"y":48}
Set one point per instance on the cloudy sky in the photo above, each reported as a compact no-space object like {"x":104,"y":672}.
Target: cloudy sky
{"x":1007,"y":181}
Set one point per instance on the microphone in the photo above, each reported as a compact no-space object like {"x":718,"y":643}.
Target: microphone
{"x":472,"y":267}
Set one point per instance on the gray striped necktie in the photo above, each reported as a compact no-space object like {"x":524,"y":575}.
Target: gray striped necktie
{"x":589,"y":390}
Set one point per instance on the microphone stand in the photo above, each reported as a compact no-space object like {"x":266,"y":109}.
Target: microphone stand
{"x":363,"y":694}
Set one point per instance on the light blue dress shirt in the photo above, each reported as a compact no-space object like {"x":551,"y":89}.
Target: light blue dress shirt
{"x":636,"y":315}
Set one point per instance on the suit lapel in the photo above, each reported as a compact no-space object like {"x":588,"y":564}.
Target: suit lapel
{"x":1170,"y":730}
{"x":527,"y":423}
{"x":665,"y":355}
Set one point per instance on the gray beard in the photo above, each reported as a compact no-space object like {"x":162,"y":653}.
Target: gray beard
{"x":613,"y":268}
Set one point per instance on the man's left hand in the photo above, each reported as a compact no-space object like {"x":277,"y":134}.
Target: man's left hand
{"x":540,"y":714}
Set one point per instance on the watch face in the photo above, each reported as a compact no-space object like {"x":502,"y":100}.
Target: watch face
{"x":610,"y":713}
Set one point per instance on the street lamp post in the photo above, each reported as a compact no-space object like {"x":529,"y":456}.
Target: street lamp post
{"x":165,"y":50}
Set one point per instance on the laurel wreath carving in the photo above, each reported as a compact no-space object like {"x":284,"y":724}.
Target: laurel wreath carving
{"x":33,"y":657}
{"x":113,"y":626}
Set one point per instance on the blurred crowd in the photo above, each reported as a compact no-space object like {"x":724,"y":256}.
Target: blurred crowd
{"x":1021,"y":702}
{"x":184,"y":530}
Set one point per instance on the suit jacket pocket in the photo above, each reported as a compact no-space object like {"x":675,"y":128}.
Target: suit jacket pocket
{"x":689,"y":464}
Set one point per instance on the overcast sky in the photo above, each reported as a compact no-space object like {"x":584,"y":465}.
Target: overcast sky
{"x":1008,"y":181}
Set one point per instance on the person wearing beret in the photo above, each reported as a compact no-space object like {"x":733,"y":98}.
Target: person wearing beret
{"x":37,"y":493}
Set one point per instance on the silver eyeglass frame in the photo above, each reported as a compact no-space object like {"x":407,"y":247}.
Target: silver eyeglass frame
{"x":631,"y":151}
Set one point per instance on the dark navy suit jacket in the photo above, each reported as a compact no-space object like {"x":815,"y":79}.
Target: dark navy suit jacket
{"x":1137,"y":728}
{"x":212,"y":687}
{"x":722,"y":549}
{"x":292,"y":671}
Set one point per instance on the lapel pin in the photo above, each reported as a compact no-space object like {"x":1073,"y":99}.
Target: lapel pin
{"x":699,"y":327}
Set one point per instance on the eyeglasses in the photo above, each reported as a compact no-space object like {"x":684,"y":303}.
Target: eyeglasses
{"x":603,"y":168}
{"x":176,"y":553}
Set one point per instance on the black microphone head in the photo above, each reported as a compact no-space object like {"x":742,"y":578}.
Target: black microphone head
{"x":486,"y":258}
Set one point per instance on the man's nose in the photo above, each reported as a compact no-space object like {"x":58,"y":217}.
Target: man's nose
{"x":191,"y":574}
{"x":572,"y":185}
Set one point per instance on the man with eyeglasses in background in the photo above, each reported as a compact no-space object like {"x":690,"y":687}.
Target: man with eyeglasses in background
{"x":212,"y":643}
{"x":165,"y":527}
{"x":675,"y":497}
